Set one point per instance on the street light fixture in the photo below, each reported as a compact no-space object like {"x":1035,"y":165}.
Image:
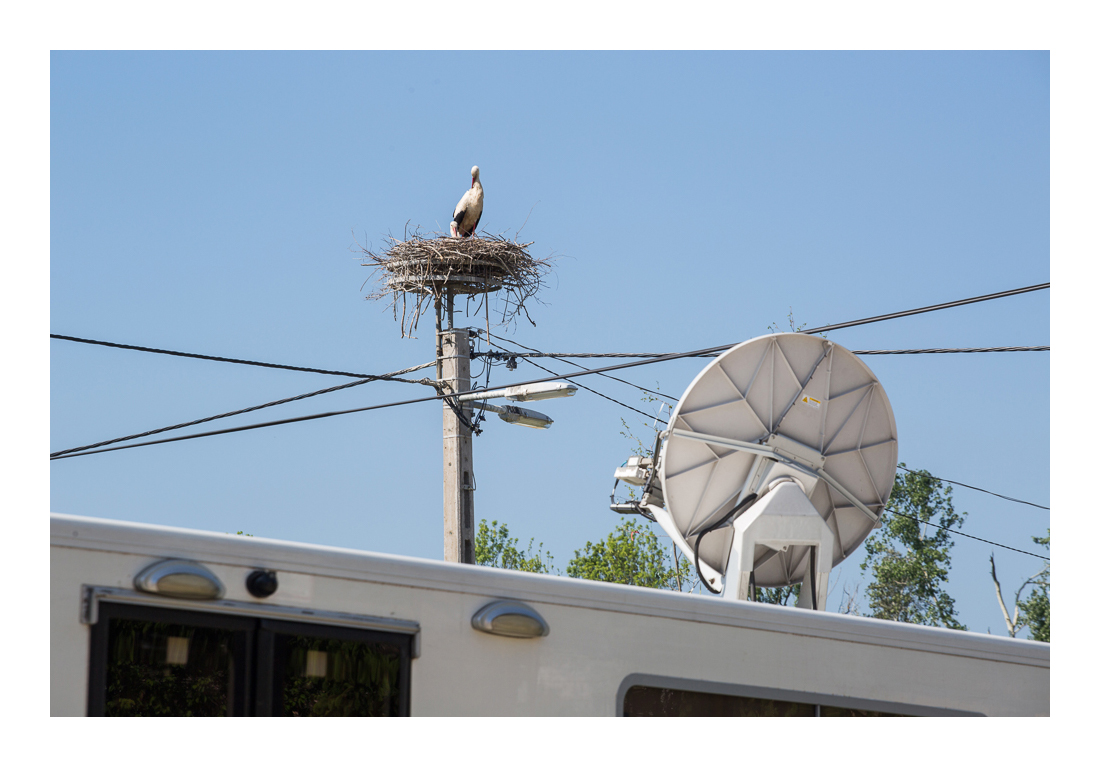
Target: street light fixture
{"x":527,"y":393}
{"x":517,"y":415}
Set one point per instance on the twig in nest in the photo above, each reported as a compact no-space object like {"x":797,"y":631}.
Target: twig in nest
{"x":420,"y":270}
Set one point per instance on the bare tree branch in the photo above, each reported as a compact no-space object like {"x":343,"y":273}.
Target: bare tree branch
{"x":1012,"y":623}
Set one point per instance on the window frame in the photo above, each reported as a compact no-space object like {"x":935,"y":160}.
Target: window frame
{"x":243,"y":665}
{"x":255,"y":628}
{"x":267,"y":695}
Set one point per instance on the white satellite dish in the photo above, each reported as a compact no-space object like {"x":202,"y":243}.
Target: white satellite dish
{"x":776,"y":464}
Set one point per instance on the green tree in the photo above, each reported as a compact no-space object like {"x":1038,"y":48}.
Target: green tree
{"x":909,"y":556}
{"x":1033,"y":612}
{"x":780,"y":595}
{"x":494,"y":548}
{"x":1036,"y":608}
{"x":632,"y":554}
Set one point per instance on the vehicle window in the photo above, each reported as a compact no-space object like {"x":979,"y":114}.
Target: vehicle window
{"x":149,"y":661}
{"x":333,"y":677}
{"x":663,"y":701}
{"x":166,"y":669}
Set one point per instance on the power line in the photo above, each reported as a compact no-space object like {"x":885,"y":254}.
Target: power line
{"x":574,"y":364}
{"x":953,"y":482}
{"x":903,"y":468}
{"x":966,"y":535}
{"x":658,"y":358}
{"x":649,"y":355}
{"x":387,"y":377}
{"x":583,"y":372}
{"x":536,"y":353}
{"x":595,"y":371}
{"x":532,"y":352}
{"x":85,"y":451}
{"x":298,"y":419}
{"x":429,"y":399}
{"x":957,"y":351}
{"x":822,"y":329}
{"x":933,"y":308}
{"x":598,"y":394}
{"x":225,"y":359}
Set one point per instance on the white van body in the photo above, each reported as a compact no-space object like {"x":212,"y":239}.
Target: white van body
{"x":603,"y":638}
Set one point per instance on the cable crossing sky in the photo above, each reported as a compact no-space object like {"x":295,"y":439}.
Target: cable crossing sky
{"x":713,"y":351}
{"x":595,"y":371}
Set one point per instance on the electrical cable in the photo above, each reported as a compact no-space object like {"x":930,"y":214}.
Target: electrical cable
{"x":553,"y":377}
{"x":474,"y":427}
{"x":241,"y":412}
{"x":265,"y":424}
{"x":957,"y":351}
{"x":660,"y":358}
{"x":72,"y":454}
{"x":582,"y":367}
{"x":745,"y":502}
{"x":480,"y":417}
{"x":813,"y":577}
{"x":598,"y":394}
{"x":822,"y":329}
{"x":933,"y":308}
{"x":462,"y":419}
{"x":594,"y":371}
{"x":650,"y":355}
{"x":536,"y":353}
{"x":224,"y":359}
{"x":953,"y":482}
{"x":967,"y":535}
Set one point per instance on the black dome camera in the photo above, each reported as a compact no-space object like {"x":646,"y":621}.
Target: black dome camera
{"x":262,"y":583}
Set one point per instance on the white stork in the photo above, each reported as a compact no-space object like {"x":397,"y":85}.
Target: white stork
{"x":468,"y":211}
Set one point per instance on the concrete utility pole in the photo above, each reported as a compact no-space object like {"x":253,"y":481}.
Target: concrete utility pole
{"x":453,"y":348}
{"x":437,"y":269}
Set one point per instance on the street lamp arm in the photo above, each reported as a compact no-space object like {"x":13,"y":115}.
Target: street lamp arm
{"x":486,"y":406}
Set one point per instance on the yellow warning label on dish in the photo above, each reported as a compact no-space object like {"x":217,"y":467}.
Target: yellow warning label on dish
{"x":814,"y":403}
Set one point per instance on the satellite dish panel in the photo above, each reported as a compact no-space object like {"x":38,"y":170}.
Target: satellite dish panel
{"x":796,"y":397}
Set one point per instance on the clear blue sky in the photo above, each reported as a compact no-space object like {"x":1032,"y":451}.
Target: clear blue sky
{"x":210,"y":202}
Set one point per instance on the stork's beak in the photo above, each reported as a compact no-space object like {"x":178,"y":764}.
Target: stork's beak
{"x":472,"y":182}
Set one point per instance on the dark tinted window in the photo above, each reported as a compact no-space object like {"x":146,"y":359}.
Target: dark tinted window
{"x":663,"y":701}
{"x":150,"y":661}
{"x":167,"y":669}
{"x":834,"y":711}
{"x":333,"y":677}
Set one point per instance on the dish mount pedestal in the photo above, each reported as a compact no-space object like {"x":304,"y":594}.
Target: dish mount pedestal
{"x":787,"y":524}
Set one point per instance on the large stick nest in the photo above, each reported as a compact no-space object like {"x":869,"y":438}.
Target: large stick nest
{"x":418,"y":271}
